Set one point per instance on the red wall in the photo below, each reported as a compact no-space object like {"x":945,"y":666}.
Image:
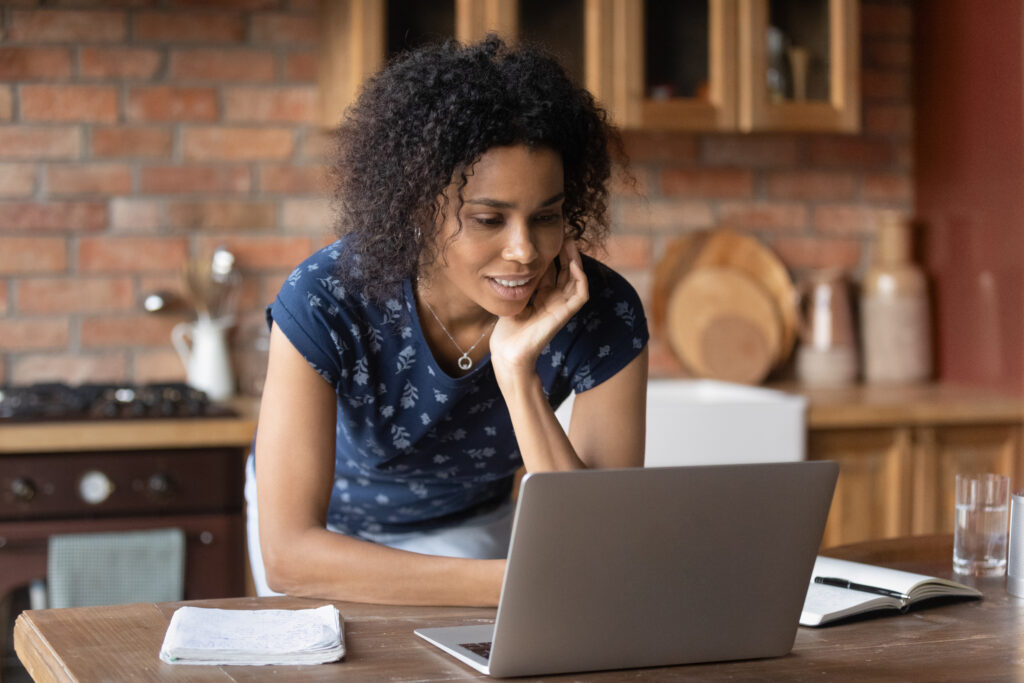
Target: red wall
{"x":969,"y":184}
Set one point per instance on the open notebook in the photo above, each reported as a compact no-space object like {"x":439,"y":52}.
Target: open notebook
{"x":612,"y":569}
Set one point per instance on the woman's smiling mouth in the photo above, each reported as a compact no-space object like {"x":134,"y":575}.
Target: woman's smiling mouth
{"x":512,"y":289}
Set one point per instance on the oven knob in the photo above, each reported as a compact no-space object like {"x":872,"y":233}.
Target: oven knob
{"x":95,"y":487}
{"x":159,"y":484}
{"x":23,"y":489}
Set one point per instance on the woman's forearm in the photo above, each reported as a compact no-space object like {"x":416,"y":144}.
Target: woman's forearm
{"x":323,"y":564}
{"x":542,"y":441}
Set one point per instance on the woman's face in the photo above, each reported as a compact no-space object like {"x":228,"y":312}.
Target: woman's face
{"x":512,"y":229}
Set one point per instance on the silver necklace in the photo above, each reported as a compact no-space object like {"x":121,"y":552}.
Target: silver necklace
{"x":464,"y":362}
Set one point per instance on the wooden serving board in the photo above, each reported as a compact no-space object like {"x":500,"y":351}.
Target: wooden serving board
{"x":743,"y":253}
{"x":723,"y":325}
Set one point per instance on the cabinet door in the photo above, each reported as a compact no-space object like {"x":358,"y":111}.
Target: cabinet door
{"x":872,"y":498}
{"x":799,"y":65}
{"x":663,"y":63}
{"x":943,"y":452}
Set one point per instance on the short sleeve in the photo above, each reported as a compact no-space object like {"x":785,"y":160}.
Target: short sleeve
{"x":606,"y":334}
{"x":308,"y":312}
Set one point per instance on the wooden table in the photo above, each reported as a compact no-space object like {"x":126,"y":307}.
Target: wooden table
{"x":976,"y":640}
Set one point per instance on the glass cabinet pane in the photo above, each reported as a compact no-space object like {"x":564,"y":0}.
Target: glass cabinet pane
{"x":676,"y":49}
{"x":413,"y":23}
{"x":798,"y":44}
{"x":557,"y":26}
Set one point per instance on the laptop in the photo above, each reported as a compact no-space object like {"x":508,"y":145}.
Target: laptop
{"x":624,"y":568}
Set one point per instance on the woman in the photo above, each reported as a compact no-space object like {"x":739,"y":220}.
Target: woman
{"x":415,"y":364}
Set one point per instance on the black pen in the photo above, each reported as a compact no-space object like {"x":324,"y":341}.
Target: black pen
{"x":843,"y":583}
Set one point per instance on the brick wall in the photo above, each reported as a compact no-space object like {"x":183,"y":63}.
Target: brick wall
{"x":136,"y":133}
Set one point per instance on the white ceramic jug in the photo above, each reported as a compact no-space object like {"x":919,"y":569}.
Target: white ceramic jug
{"x":203,"y":348}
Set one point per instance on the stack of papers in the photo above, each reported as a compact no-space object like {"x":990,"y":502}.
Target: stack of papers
{"x":200,"y":635}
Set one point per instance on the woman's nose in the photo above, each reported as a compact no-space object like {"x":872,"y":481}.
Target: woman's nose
{"x":519,"y":246}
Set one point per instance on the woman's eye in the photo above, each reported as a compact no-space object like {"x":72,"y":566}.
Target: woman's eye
{"x":488,"y":220}
{"x":549,"y":218}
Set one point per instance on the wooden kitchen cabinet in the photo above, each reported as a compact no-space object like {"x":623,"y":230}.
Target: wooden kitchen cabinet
{"x":657,"y":64}
{"x":641,"y":57}
{"x":899,"y":449}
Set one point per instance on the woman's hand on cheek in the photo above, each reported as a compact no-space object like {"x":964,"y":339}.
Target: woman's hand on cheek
{"x":518,"y":340}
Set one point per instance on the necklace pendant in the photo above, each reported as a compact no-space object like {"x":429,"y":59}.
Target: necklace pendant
{"x":465,"y":362}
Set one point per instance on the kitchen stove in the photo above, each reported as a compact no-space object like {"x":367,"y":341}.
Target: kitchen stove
{"x":91,"y":487}
{"x":57,"y":401}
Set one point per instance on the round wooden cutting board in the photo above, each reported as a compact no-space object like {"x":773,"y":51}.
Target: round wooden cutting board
{"x":723,"y":325}
{"x":742,"y":253}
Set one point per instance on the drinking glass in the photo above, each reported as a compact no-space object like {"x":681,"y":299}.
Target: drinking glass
{"x":982,"y":514}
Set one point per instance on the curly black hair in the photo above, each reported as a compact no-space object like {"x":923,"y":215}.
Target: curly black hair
{"x":427,"y":117}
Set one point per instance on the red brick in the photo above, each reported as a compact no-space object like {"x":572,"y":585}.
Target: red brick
{"x":157,"y":365}
{"x":165,"y":103}
{"x":304,"y":215}
{"x":707,"y":182}
{"x":198,"y":179}
{"x":284,"y":29}
{"x":662,"y":215}
{"x":189,"y":27}
{"x":6,"y":103}
{"x":222,"y":215}
{"x":662,"y":361}
{"x":207,"y":64}
{"x":629,"y":251}
{"x":889,"y":119}
{"x":132,"y":142}
{"x":635,"y":181}
{"x":760,"y":215}
{"x":27,"y":142}
{"x":92,"y":103}
{"x":229,"y":4}
{"x":318,"y":145}
{"x":238,"y":144}
{"x":745,"y":151}
{"x":254,"y":252}
{"x":891,"y":21}
{"x":852,"y":219}
{"x":271,"y":105}
{"x":818,"y":252}
{"x":659,"y":146}
{"x":74,"y":295}
{"x":881,"y":85}
{"x":20,"y":335}
{"x":888,"y":53}
{"x":137,"y":215}
{"x":810,"y":185}
{"x":34,"y":63}
{"x":119,"y":62}
{"x":287,"y":179}
{"x":89,"y":179}
{"x":888,"y":187}
{"x":301,"y":67}
{"x":17,"y":180}
{"x":52,"y":216}
{"x":67,"y":26}
{"x":32,"y":255}
{"x":140,"y":330}
{"x":131,"y":254}
{"x":847,"y":152}
{"x":74,"y":368}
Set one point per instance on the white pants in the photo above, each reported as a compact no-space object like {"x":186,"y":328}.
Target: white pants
{"x":482,"y":537}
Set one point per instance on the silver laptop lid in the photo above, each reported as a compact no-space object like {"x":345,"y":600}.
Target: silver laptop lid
{"x":612,"y":569}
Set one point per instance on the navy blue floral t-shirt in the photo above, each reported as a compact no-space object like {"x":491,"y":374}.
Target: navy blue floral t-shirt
{"x":416,"y":447}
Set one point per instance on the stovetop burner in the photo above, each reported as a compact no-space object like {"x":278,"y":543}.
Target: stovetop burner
{"x":57,"y":401}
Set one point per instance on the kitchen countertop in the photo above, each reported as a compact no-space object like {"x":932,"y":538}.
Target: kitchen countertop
{"x":102,"y":435}
{"x":856,"y":406}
